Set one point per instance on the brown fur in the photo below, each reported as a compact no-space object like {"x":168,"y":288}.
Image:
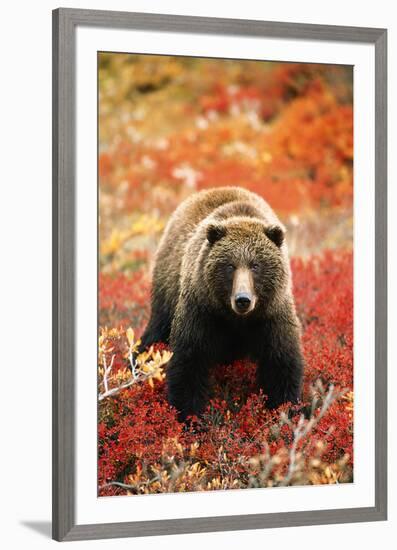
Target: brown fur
{"x":212,"y":238}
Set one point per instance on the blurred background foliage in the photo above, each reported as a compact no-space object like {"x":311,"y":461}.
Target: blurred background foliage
{"x":169,"y":126}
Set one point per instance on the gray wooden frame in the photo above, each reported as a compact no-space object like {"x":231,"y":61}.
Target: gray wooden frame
{"x":65,"y":22}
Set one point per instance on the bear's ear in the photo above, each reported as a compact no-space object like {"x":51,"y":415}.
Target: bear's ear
{"x":275,"y":233}
{"x":215,"y":232}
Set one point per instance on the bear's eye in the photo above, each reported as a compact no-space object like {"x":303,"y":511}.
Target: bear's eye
{"x":255,"y":267}
{"x":230,"y":268}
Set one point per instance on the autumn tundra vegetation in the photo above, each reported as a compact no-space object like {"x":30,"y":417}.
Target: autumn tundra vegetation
{"x":171,"y":126}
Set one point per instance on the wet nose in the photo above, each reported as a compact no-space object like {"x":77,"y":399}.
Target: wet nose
{"x":243,"y":301}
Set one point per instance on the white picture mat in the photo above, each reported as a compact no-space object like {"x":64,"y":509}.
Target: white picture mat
{"x":89,"y":508}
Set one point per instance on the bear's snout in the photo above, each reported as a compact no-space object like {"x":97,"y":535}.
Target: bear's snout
{"x":243,"y":298}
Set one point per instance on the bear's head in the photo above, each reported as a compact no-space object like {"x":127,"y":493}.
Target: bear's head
{"x":245,"y":265}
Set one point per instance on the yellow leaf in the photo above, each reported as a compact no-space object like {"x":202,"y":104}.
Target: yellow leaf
{"x":130,"y":336}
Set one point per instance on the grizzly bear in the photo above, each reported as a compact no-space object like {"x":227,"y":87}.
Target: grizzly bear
{"x":222,"y":291}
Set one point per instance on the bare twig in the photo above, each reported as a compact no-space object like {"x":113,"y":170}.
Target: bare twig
{"x":113,"y":391}
{"x":303,"y":429}
{"x":143,"y":367}
{"x":135,"y":377}
{"x":107,"y":372}
{"x":117,"y":484}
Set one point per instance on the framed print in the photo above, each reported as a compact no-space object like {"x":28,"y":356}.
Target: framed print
{"x":219,"y":274}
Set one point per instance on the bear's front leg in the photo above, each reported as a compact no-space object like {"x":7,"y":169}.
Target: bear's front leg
{"x":187,"y":383}
{"x":188,"y":370}
{"x":280,"y":361}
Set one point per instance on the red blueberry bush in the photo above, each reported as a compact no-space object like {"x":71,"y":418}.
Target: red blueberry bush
{"x":238,"y":442}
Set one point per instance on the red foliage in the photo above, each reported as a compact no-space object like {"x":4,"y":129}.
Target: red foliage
{"x":124,"y":299}
{"x":288,"y":137}
{"x":137,"y":426}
